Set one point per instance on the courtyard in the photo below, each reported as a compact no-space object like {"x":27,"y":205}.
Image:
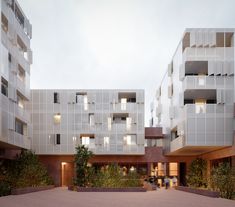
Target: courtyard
{"x":62,"y":197}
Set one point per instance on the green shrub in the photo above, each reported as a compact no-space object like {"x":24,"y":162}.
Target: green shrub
{"x":111,"y":176}
{"x":132,"y":180}
{"x":5,"y":188}
{"x":84,"y":173}
{"x":25,"y":171}
{"x":223,"y":180}
{"x":197,"y":173}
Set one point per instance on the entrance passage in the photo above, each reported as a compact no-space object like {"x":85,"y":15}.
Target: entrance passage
{"x":67,"y":173}
{"x":183,"y":170}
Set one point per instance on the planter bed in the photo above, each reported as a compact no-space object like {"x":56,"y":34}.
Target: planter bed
{"x":19,"y":191}
{"x":203,"y":192}
{"x":93,"y":189}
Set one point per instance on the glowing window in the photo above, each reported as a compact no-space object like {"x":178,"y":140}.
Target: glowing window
{"x":123,"y":103}
{"x":57,"y":118}
{"x":200,"y":105}
{"x":106,"y":141}
{"x":109,"y":123}
{"x":128,"y":123}
{"x":85,"y":141}
{"x":129,"y":139}
{"x":173,"y":169}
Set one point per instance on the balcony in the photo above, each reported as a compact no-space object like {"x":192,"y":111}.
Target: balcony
{"x":203,"y":82}
{"x":215,"y":53}
{"x":22,"y":114}
{"x":19,"y":140}
{"x":21,"y":86}
{"x":119,"y":149}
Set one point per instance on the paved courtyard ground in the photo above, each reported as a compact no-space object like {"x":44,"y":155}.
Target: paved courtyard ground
{"x":161,"y":198}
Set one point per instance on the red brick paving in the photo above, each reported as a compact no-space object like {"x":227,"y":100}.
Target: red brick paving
{"x":59,"y":197}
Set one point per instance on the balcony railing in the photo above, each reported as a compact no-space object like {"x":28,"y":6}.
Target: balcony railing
{"x":19,"y":140}
{"x":22,"y":114}
{"x":216,"y":53}
{"x":177,"y":143}
{"x":23,"y":88}
{"x":206,"y":82}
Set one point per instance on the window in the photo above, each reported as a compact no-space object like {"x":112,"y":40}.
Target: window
{"x":123,"y":104}
{"x":20,"y":127}
{"x":161,"y":169}
{"x":81,"y":97}
{"x":120,"y":118}
{"x":109,"y":123}
{"x":201,"y":80}
{"x":92,"y":119}
{"x":106,"y":142}
{"x":88,"y":140}
{"x":4,"y":23}
{"x":56,"y":97}
{"x":21,"y":73}
{"x":20,"y":101}
{"x":200,"y":105}
{"x":57,"y":139}
{"x":57,"y":118}
{"x":173,"y":169}
{"x":9,"y":57}
{"x":130,"y":139}
{"x":4,"y":87}
{"x":128,"y":123}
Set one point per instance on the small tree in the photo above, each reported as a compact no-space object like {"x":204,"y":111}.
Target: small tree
{"x":223,"y":179}
{"x":197,"y":173}
{"x":83,"y":171}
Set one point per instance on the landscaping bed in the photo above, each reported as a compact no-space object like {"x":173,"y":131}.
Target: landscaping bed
{"x":102,"y":189}
{"x":203,"y":192}
{"x":25,"y":190}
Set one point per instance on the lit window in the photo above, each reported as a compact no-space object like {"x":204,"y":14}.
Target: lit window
{"x":109,"y":123}
{"x":161,"y":169}
{"x":129,"y":140}
{"x":20,"y":101}
{"x":128,"y":123}
{"x":57,"y":118}
{"x":200,"y":105}
{"x":92,"y":119}
{"x":85,"y":99}
{"x":85,"y":141}
{"x":106,"y":141}
{"x":173,"y":169}
{"x":201,"y":81}
{"x":123,"y":103}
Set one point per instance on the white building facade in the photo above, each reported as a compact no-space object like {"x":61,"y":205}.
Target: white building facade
{"x":106,"y":121}
{"x":195,"y":100}
{"x":15,"y":59}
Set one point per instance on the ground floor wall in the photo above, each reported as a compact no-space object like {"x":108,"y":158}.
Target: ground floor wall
{"x":153,"y":162}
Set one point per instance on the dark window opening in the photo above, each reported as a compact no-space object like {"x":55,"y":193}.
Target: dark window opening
{"x":9,"y":57}
{"x":129,"y":96}
{"x":57,"y":138}
{"x":4,"y":87}
{"x":174,"y":134}
{"x":56,"y":97}
{"x":80,"y":97}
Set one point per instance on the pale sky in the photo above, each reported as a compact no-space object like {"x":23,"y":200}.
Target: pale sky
{"x":126,"y":44}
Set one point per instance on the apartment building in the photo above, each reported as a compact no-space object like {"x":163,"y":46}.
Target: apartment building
{"x":15,"y":59}
{"x":194,"y":103}
{"x":108,"y":122}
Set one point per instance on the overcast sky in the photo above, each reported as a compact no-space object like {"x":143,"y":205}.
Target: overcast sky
{"x":92,"y":44}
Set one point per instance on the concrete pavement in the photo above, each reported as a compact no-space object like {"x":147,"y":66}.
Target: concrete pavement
{"x":59,"y":197}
